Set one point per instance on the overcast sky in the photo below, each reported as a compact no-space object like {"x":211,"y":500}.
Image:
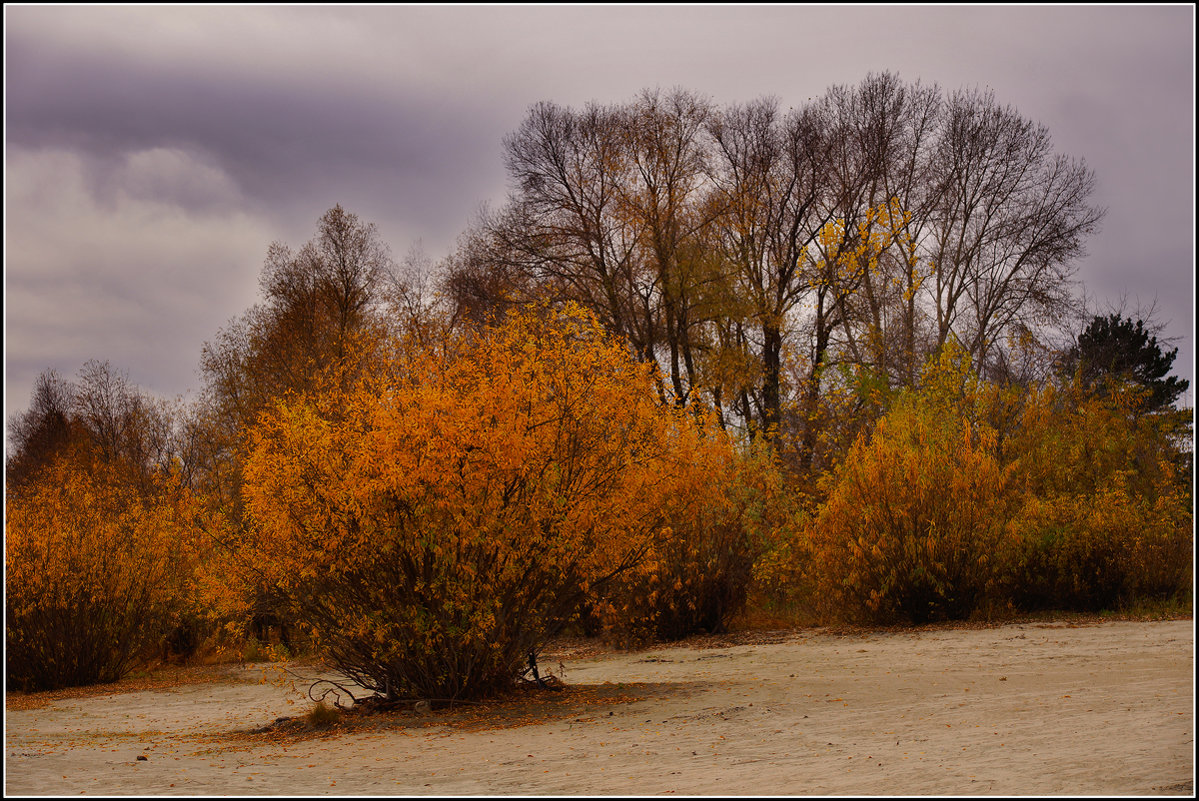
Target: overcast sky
{"x":152,"y":154}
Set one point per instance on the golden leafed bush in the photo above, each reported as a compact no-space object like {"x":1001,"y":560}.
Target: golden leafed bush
{"x":935,"y":515}
{"x":723,"y":516}
{"x":434,"y":522}
{"x":96,"y":571}
{"x":913,"y":519}
{"x":1100,"y":516}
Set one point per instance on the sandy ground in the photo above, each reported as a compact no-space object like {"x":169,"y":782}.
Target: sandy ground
{"x":1021,"y":709}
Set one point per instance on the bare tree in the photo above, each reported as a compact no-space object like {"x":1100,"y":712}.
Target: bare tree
{"x":125,"y":424}
{"x":664,"y":136}
{"x":564,"y":232}
{"x":604,"y":212}
{"x":99,"y":417}
{"x":1011,"y":221}
{"x":42,"y":430}
{"x":880,"y":189}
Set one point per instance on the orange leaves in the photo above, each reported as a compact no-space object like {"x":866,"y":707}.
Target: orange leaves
{"x":95,"y":569}
{"x":724,"y":513}
{"x":434,"y":520}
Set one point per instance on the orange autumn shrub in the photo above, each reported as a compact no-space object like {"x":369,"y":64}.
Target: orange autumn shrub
{"x":434,"y":522}
{"x":722,"y":517}
{"x":97,"y":572}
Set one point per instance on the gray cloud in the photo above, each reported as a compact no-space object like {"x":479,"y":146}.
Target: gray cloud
{"x":152,"y":154}
{"x":137,"y":266}
{"x":277,"y":138}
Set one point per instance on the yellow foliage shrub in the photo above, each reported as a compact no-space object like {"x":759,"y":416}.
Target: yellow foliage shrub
{"x":1077,"y":505}
{"x":1100,"y":515}
{"x":912,"y":521}
{"x":723,"y":515}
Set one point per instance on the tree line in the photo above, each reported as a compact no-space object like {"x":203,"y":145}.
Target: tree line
{"x":812,"y":362}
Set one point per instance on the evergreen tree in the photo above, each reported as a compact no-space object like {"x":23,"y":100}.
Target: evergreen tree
{"x":1116,"y":347}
